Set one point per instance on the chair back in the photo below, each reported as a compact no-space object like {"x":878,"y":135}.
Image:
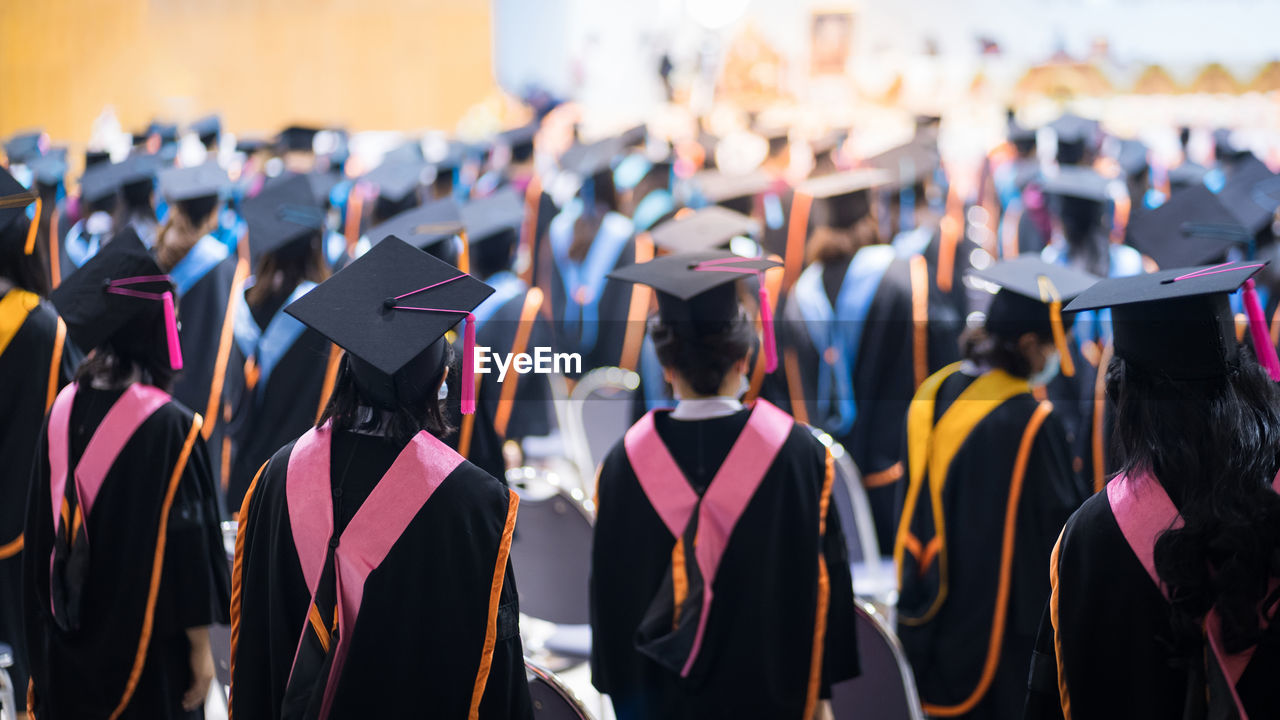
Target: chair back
{"x":551,"y":547}
{"x":601,"y":406}
{"x":552,"y":700}
{"x":886,"y":689}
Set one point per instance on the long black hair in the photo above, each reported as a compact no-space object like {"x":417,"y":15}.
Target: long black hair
{"x":1213,"y":444}
{"x":24,"y":271}
{"x":350,"y":410}
{"x":705,"y":357}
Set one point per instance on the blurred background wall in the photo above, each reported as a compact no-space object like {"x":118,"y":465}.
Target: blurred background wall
{"x":262,"y":63}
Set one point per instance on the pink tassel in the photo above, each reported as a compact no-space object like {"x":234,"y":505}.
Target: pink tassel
{"x":171,"y":331}
{"x":1262,"y":346}
{"x":766,"y":327}
{"x":468,"y":367}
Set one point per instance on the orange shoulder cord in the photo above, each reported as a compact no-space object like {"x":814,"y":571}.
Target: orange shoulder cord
{"x":795,"y":386}
{"x":224,"y":347}
{"x":919,"y":269}
{"x":1006,"y":567}
{"x":529,"y":231}
{"x":641,"y":296}
{"x":237,"y":581}
{"x":1064,"y":697}
{"x":55,"y":364}
{"x":55,"y":259}
{"x":507,"y":397}
{"x":330,"y":377}
{"x":157,"y":567}
{"x":797,"y":231}
{"x":495,"y":599}
{"x":824,"y":595}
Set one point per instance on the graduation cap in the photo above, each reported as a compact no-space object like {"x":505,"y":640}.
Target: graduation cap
{"x":99,"y":182}
{"x":1179,"y":322}
{"x":1076,"y":136}
{"x":1186,"y":175}
{"x":396,"y":180}
{"x":734,"y":191}
{"x":116,"y":296}
{"x":841,"y":199}
{"x":1132,"y":157}
{"x":590,"y":160}
{"x":95,"y":157}
{"x":322,"y":183}
{"x":24,"y":147}
{"x":1022,"y":137}
{"x":207,"y":128}
{"x":14,"y":199}
{"x":49,"y":169}
{"x":1191,"y":228}
{"x":634,"y":136}
{"x":1031,"y":297}
{"x":706,"y":229}
{"x":201,"y":181}
{"x":249,"y":146}
{"x":282,"y":213}
{"x":298,"y":138}
{"x":1081,"y":183}
{"x":423,"y":226}
{"x":488,"y":217}
{"x":520,"y":140}
{"x":907,"y":165}
{"x":390,"y":310}
{"x":697,"y":294}
{"x":1252,"y":194}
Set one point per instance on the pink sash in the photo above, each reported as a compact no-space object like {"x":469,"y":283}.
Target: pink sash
{"x":416,"y":473}
{"x":138,"y":403}
{"x":725,"y":499}
{"x":1143,"y":511}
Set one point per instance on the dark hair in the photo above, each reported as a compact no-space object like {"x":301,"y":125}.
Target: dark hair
{"x":588,"y":224}
{"x":139,"y":345}
{"x":24,"y":271}
{"x":984,"y":348}
{"x":1213,"y":445}
{"x":346,"y":401}
{"x":703,"y":358}
{"x":199,"y":209}
{"x":832,"y":245}
{"x":494,"y":254}
{"x":296,"y":261}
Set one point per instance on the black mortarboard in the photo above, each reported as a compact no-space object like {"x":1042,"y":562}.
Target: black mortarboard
{"x":907,"y":165}
{"x":1076,"y":137}
{"x":119,"y":296}
{"x":1193,"y":227}
{"x":282,"y":213}
{"x":1081,"y":183}
{"x":634,"y":136}
{"x":201,"y":181}
{"x":706,"y":229}
{"x":396,"y":180}
{"x":1225,"y":148}
{"x":390,"y":310}
{"x":207,"y":128}
{"x":14,"y":199}
{"x":23,"y":147}
{"x":1031,"y":299}
{"x":1252,"y":194}
{"x":95,"y":157}
{"x":736,"y":191}
{"x":1176,"y":322}
{"x":520,"y":140}
{"x":1132,"y":157}
{"x":50,"y":168}
{"x":137,"y":169}
{"x":1022,"y":137}
{"x":251,"y":145}
{"x":696,"y":291}
{"x":100,"y":182}
{"x":297,"y":138}
{"x":590,"y":160}
{"x":489,"y":217}
{"x":1186,"y":175}
{"x":422,"y":226}
{"x":842,"y":199}
{"x":322,"y":183}
{"x":168,"y":132}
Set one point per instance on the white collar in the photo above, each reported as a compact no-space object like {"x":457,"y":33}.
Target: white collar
{"x":706,"y":408}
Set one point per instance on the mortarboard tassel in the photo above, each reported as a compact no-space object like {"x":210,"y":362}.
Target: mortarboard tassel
{"x":468,"y":366}
{"x":766,"y":328}
{"x":31,"y":231}
{"x":171,"y":331}
{"x":1262,"y":346}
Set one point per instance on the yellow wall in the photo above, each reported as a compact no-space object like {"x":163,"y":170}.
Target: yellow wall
{"x":365,"y":64}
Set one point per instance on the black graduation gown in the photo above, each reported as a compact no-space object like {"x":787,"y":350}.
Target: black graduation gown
{"x":84,"y":673}
{"x":203,"y":310}
{"x":476,"y":437}
{"x":271,"y":414}
{"x":422,"y":624}
{"x":759,"y":638}
{"x":613,"y":308}
{"x":1115,"y":635}
{"x":949,"y":648}
{"x":27,"y":367}
{"x":884,"y":379}
{"x":531,"y":412}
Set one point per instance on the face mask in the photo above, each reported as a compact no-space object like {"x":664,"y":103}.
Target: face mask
{"x":1050,"y":371}
{"x":744,"y":385}
{"x":443,"y":392}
